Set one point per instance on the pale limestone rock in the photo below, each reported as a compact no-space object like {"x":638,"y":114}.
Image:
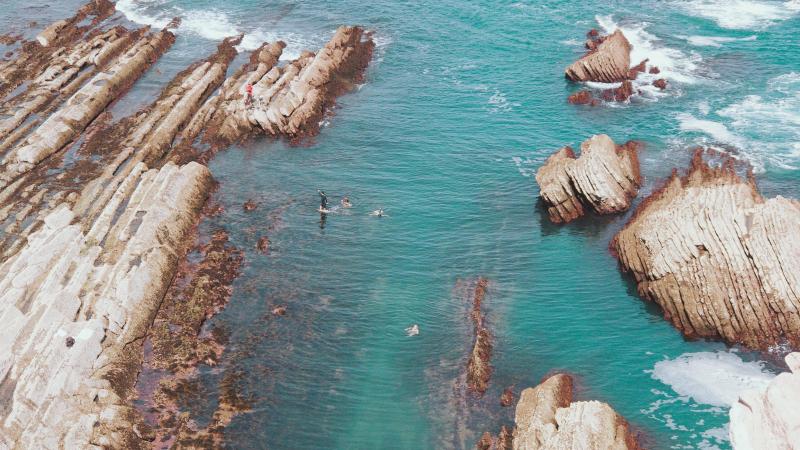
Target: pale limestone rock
{"x":98,"y":287}
{"x":769,"y":419}
{"x":547,"y":418}
{"x":288,"y":100}
{"x":605,"y":178}
{"x":718,"y":257}
{"x":609,"y":63}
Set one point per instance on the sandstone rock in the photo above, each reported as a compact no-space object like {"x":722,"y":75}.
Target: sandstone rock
{"x":637,"y":69}
{"x":288,"y":100}
{"x":608,"y":63}
{"x":618,"y":94}
{"x":717,"y":257}
{"x":655,"y":70}
{"x":605,"y":178}
{"x":547,"y":418}
{"x":660,"y":83}
{"x":250,"y":205}
{"x":583,"y":97}
{"x":769,"y":419}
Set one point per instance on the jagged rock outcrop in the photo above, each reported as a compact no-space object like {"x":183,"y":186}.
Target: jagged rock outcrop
{"x":718,"y":257}
{"x":605,"y":178}
{"x":608,"y":62}
{"x":287,"y":100}
{"x":479,"y":370}
{"x":548,"y":418}
{"x":769,"y":419}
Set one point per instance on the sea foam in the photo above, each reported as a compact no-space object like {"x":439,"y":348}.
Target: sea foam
{"x":742,"y":14}
{"x":712,"y":378}
{"x":765,"y":127}
{"x":214,"y":25}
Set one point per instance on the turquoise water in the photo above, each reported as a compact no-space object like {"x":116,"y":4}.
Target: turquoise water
{"x":461,"y":106}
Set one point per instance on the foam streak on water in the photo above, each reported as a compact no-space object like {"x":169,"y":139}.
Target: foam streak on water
{"x":742,"y":14}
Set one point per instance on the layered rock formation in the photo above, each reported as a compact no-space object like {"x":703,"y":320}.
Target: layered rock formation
{"x":289,"y":100}
{"x":605,"y":178}
{"x":608,"y":61}
{"x":769,"y":418}
{"x":718,"y":257}
{"x":548,"y":418}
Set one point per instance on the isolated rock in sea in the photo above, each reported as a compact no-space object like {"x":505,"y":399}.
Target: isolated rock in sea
{"x":583,"y":97}
{"x":548,"y":418}
{"x":660,"y":83}
{"x":719,"y":258}
{"x":609,"y":62}
{"x":769,"y":419}
{"x":507,"y":397}
{"x":618,"y":94}
{"x":605,"y":178}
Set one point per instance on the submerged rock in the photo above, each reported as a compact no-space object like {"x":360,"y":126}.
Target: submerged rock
{"x":605,"y":178}
{"x":507,"y":398}
{"x":479,"y":370}
{"x":609,"y":62}
{"x":548,"y":418}
{"x":583,"y":97}
{"x":769,"y":418}
{"x":719,"y":258}
{"x":618,"y":94}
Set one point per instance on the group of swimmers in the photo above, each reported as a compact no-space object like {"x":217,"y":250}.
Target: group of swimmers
{"x":345,"y":203}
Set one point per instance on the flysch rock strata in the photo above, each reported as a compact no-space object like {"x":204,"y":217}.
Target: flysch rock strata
{"x":604,"y":178}
{"x":769,"y":418}
{"x":609,"y":62}
{"x":479,"y":370}
{"x":548,"y":418}
{"x":718,"y":258}
{"x":289,"y":100}
{"x":97,"y":217}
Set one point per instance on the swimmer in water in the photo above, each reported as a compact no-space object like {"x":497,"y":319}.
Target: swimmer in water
{"x":413,"y":330}
{"x":378,"y":212}
{"x":346,"y":202}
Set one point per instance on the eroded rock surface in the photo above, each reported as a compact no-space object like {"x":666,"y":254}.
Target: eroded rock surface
{"x":718,"y":257}
{"x":548,"y":418}
{"x":769,"y":419}
{"x":607,"y":62}
{"x":605,"y":178}
{"x":479,"y":370}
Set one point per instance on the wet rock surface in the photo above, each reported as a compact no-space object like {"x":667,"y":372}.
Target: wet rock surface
{"x":547,"y":417}
{"x":604,"y":178}
{"x":479,"y":370}
{"x":769,"y":418}
{"x":716,"y":256}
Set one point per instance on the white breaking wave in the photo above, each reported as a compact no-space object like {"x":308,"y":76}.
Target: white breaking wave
{"x":712,"y":378}
{"x":742,"y":14}
{"x":674,"y":64}
{"x":214,"y":25}
{"x":766,"y":127}
{"x":714,"y":41}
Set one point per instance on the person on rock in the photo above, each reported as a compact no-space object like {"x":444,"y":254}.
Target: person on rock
{"x":249,"y":99}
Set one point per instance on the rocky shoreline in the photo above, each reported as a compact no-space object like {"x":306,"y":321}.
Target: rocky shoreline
{"x":100,"y":216}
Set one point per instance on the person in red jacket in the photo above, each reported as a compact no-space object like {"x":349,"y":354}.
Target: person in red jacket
{"x":249,"y":100}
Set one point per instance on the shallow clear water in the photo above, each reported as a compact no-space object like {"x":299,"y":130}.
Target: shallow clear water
{"x":461,"y":106}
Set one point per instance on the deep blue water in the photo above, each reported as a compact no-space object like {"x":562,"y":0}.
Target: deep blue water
{"x":462,"y":104}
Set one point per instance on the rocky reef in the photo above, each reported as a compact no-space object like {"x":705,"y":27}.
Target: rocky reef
{"x":716,"y":256}
{"x":548,"y":418}
{"x":97,"y":216}
{"x":604,"y":178}
{"x":769,"y":418}
{"x":479,"y":370}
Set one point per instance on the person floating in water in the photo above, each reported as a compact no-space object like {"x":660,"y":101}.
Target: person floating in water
{"x":323,"y":201}
{"x":378,"y":212}
{"x":249,"y":99}
{"x":346,"y":202}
